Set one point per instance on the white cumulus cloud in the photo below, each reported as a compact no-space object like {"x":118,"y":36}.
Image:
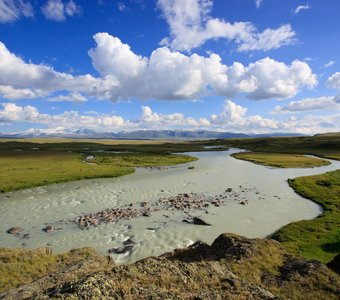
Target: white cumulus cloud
{"x":191,"y":26}
{"x":57,"y":10}
{"x":68,"y":119}
{"x":334,"y":81}
{"x":165,"y":75}
{"x":19,"y":79}
{"x":12,"y":112}
{"x":170,"y":74}
{"x":233,"y":118}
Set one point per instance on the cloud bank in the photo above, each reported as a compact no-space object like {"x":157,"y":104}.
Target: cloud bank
{"x":232,"y":117}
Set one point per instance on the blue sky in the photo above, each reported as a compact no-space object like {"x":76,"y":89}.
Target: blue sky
{"x":239,"y":65}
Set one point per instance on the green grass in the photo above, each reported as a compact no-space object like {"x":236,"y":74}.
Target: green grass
{"x":24,"y":169}
{"x":281,"y":160}
{"x":318,"y":238}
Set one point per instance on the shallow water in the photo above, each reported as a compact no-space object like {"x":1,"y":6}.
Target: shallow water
{"x":271,"y":204}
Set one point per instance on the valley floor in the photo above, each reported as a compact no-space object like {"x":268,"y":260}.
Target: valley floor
{"x":232,"y":267}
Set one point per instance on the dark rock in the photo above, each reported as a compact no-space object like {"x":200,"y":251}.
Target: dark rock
{"x":15,"y":230}
{"x":228,"y":190}
{"x":294,"y":266}
{"x":152,"y":228}
{"x":334,"y":264}
{"x":233,"y":246}
{"x":146,"y":214}
{"x":198,"y":221}
{"x":26,"y":236}
{"x":196,"y":251}
{"x":121,"y":250}
{"x":244,"y":202}
{"x":128,"y":242}
{"x":48,"y":228}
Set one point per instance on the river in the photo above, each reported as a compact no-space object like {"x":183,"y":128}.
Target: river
{"x":271,"y":205}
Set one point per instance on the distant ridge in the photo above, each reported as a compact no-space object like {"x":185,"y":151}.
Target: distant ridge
{"x":82,"y":133}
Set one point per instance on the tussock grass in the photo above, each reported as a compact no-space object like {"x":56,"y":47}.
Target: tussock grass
{"x":281,"y":160}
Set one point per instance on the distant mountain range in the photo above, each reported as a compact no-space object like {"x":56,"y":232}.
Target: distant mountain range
{"x":61,"y":132}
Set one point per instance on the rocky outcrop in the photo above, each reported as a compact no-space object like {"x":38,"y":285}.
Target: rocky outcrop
{"x":232,"y":267}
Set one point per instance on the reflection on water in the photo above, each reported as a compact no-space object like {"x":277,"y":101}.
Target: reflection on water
{"x":271,"y":204}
